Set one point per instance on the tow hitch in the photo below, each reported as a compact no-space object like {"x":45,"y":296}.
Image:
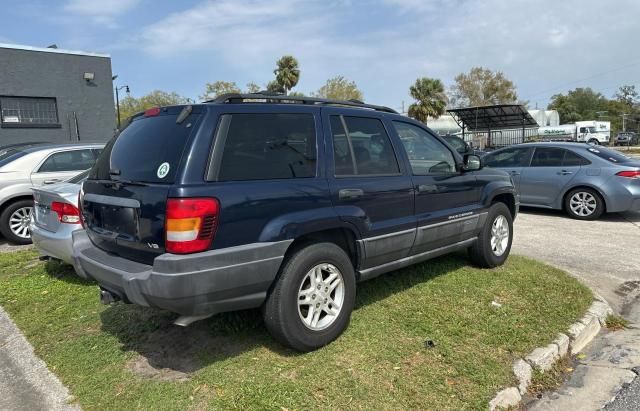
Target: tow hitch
{"x":107,"y":297}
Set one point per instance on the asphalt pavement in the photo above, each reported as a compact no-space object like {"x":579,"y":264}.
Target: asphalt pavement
{"x":603,"y":255}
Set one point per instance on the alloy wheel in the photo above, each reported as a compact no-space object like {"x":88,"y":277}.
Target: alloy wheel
{"x":499,"y":235}
{"x":19,"y":222}
{"x":583,"y":204}
{"x":321,"y":296}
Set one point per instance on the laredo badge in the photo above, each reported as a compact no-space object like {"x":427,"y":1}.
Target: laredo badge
{"x":163,"y":170}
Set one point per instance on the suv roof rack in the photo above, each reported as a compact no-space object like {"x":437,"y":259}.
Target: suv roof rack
{"x":270,"y":97}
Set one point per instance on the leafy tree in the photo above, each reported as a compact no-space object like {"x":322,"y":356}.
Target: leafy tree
{"x":339,"y":88}
{"x":215,"y":89}
{"x":579,"y":104}
{"x":482,"y":87}
{"x":131,"y":105}
{"x":274,"y":87}
{"x":296,"y":94}
{"x":253,"y":87}
{"x":287,"y":73}
{"x":627,"y":95}
{"x":431,"y":100}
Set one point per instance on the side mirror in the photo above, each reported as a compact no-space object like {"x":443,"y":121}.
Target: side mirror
{"x":472,"y":162}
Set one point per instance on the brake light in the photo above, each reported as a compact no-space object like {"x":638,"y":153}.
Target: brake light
{"x":190,"y":224}
{"x":67,"y":213}
{"x":629,"y":173}
{"x":152,"y":112}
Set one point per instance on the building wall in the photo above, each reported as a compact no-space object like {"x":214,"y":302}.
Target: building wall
{"x":28,"y":73}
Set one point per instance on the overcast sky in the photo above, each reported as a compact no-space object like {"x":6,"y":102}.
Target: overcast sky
{"x":544,"y":46}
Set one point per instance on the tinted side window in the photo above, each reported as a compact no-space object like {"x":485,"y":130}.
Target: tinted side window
{"x":267,"y":146}
{"x":572,"y":159}
{"x":510,"y":157}
{"x":361,"y":146}
{"x":76,"y":160}
{"x":427,"y":155}
{"x":547,"y":157}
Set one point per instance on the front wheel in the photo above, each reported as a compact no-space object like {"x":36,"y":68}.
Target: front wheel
{"x":584,"y":204}
{"x":15,"y":220}
{"x":494,"y":242}
{"x":594,"y":142}
{"x":312,"y":300}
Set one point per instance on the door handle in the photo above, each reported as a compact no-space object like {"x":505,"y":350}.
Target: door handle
{"x":515,"y":173}
{"x":565,"y":172}
{"x":350,"y":193}
{"x":52,"y":181}
{"x":427,"y":188}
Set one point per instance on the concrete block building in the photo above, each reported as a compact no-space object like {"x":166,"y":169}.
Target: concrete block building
{"x":55,"y":95}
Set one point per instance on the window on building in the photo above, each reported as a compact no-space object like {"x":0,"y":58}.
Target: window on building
{"x":28,"y":111}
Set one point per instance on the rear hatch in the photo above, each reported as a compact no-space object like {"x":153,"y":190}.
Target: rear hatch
{"x":124,"y":198}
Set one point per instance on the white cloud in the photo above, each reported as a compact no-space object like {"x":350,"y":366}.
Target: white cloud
{"x":100,"y":11}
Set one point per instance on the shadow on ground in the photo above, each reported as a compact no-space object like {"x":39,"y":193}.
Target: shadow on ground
{"x":169,"y":352}
{"x":628,"y":216}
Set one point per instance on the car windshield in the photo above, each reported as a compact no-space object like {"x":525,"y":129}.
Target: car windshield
{"x":7,"y":155}
{"x":609,"y":155}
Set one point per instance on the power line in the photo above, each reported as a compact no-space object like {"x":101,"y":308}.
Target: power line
{"x":636,"y":62}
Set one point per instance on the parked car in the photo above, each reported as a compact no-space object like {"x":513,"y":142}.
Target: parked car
{"x":236,"y":204}
{"x":582,"y":179}
{"x":56,"y":217}
{"x":626,"y":138}
{"x":22,"y":168}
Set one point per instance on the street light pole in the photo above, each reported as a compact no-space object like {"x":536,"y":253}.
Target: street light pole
{"x":117,"y":89}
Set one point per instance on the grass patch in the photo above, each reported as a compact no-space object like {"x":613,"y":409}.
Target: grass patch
{"x":125,"y":357}
{"x":616,"y":323}
{"x":552,"y":378}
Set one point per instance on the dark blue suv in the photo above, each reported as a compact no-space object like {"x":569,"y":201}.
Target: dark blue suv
{"x":283,"y":203}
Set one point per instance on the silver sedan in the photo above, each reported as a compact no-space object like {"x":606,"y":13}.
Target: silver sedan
{"x":28,"y":166}
{"x":581,"y":179}
{"x":56,"y":217}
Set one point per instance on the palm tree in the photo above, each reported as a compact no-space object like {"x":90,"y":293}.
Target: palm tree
{"x":287,"y":72}
{"x":430,"y":97}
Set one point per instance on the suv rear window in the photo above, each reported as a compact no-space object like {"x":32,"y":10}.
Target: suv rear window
{"x":149,"y":149}
{"x":264,"y":147}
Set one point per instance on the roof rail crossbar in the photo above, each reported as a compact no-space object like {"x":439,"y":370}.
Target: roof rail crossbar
{"x":275,"y":97}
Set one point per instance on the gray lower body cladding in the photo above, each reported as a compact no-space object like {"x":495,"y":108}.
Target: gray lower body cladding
{"x":205,"y":283}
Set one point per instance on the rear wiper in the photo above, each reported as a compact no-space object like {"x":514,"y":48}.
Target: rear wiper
{"x":128,"y":182}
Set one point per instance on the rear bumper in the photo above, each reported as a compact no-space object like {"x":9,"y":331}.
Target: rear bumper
{"x":199,"y":284}
{"x":54,"y":244}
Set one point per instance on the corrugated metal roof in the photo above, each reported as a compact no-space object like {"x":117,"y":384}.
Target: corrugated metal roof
{"x":51,"y":50}
{"x":499,"y":116}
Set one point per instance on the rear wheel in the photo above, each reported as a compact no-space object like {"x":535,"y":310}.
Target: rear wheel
{"x":494,"y":242}
{"x":312,"y":300}
{"x":15,"y":220}
{"x":584,"y":204}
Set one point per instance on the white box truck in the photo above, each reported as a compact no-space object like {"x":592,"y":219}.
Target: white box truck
{"x":596,"y":132}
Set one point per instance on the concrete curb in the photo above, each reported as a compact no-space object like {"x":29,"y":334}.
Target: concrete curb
{"x":577,"y":337}
{"x":25,"y":381}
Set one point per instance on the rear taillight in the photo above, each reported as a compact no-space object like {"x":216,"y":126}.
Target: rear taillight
{"x":190,"y":224}
{"x":629,"y":174}
{"x":67,"y":213}
{"x":152,"y":112}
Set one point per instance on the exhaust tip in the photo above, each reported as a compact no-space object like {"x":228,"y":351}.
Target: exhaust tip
{"x":108,"y":298}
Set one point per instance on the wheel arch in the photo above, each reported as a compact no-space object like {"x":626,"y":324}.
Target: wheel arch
{"x":509,"y":199}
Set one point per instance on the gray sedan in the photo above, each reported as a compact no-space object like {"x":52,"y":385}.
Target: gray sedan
{"x":56,"y":217}
{"x":582,"y":179}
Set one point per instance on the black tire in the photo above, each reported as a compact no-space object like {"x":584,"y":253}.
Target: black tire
{"x":481,"y":252}
{"x":599,"y":204}
{"x":6,"y":231}
{"x":281,"y":313}
{"x":594,"y":142}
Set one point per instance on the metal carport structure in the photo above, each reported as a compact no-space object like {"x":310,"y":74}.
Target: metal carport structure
{"x":494,"y":118}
